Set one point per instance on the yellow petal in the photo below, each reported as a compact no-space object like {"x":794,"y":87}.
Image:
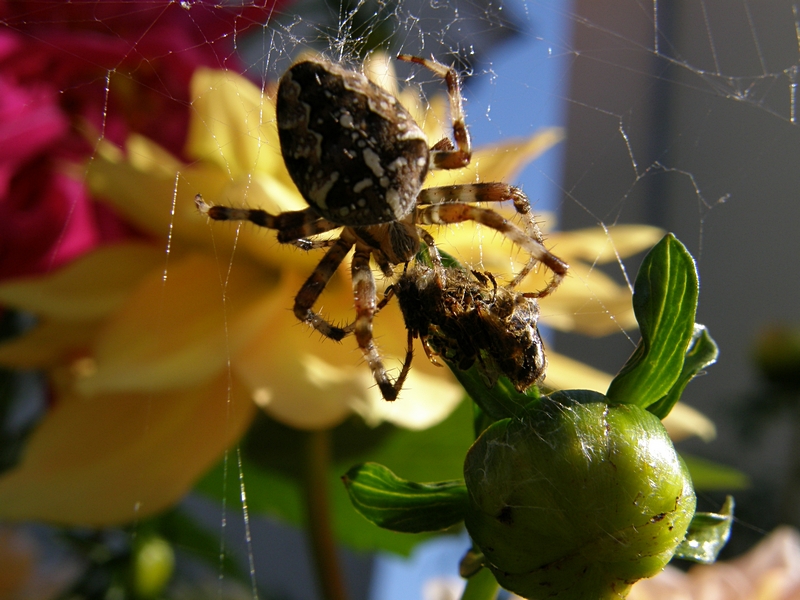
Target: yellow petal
{"x":604,"y":244}
{"x":426,"y":399}
{"x":233,"y":124}
{"x":684,"y":421}
{"x":179,"y":331}
{"x":86,"y":289}
{"x":564,"y":373}
{"x":296,"y":375}
{"x":118,"y":458}
{"x":501,"y":161}
{"x":161,"y":202}
{"x":587,"y":301}
{"x":309,"y":382}
{"x":158,"y":200}
{"x":48,"y":344}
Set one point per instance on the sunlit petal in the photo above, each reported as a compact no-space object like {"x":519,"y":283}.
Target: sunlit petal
{"x":89,"y":288}
{"x":161,"y":201}
{"x":564,"y":373}
{"x":426,"y":400}
{"x":587,"y":301}
{"x":179,"y":331}
{"x":48,"y":344}
{"x":684,"y":421}
{"x":114,"y":459}
{"x":233,"y":124}
{"x":313,"y":383}
{"x":499,"y":162}
{"x":604,"y":244}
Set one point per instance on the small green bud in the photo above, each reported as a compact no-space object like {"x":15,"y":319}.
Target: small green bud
{"x":577,"y":499}
{"x":153,"y":565}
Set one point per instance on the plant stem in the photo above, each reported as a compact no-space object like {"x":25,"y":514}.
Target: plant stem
{"x":320,"y":534}
{"x":481,"y":586}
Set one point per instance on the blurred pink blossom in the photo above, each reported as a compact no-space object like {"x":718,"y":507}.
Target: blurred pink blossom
{"x":72,"y":73}
{"x":769,"y":571}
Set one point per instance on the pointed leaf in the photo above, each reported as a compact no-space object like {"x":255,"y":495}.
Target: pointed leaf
{"x":405,"y":506}
{"x":665,"y":302}
{"x":708,"y":533}
{"x":702,"y":352}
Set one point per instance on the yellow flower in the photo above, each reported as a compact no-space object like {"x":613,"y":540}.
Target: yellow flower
{"x":158,"y":352}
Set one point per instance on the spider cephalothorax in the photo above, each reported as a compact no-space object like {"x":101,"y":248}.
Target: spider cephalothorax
{"x":466,"y":318}
{"x":359,"y":160}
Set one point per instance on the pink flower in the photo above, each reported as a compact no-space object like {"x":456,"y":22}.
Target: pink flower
{"x":770,"y":571}
{"x":73,"y":73}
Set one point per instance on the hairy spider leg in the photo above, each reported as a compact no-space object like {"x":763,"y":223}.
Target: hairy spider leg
{"x":316,"y":282}
{"x":489,"y":192}
{"x":303,"y":226}
{"x":444,"y":156}
{"x":292,"y":226}
{"x":444,"y":214}
{"x":365,"y":296}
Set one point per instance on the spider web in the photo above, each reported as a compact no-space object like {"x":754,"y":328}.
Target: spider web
{"x":680,"y":115}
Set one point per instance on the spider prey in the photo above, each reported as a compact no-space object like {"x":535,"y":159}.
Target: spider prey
{"x":460,"y":317}
{"x":359,"y":160}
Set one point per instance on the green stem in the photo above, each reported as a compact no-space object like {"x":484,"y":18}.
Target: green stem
{"x":481,"y":586}
{"x":320,"y":533}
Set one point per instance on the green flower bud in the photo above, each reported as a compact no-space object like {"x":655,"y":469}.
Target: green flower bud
{"x":153,"y":565}
{"x":577,"y":499}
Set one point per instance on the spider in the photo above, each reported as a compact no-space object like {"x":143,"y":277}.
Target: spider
{"x":459,"y":316}
{"x":359,"y":160}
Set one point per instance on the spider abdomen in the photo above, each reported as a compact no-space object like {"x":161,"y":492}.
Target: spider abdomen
{"x":355,"y":154}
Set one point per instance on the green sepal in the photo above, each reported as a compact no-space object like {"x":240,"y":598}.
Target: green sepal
{"x":664,"y":302}
{"x":400,"y":505}
{"x":707,"y":535}
{"x":497,"y":402}
{"x":703,"y":352}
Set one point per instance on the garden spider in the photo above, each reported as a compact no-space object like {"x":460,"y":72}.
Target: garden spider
{"x":359,"y":160}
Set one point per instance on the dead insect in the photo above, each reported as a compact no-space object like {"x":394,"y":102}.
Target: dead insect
{"x":467,"y":318}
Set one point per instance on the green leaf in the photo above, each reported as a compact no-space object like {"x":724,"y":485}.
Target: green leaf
{"x":401,"y":505}
{"x":708,"y":533}
{"x":703,"y":352}
{"x":664,"y":302}
{"x":710,"y":476}
{"x":497,"y":402}
{"x":270,"y":472}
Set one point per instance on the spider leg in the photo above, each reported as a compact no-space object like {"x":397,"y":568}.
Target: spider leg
{"x":433,"y":251}
{"x":489,"y":192}
{"x":387,"y":296}
{"x":476,"y":192}
{"x":291,"y":225}
{"x":441,"y":156}
{"x":306,"y":244}
{"x":443,"y":214}
{"x":312,"y":288}
{"x":366,"y":305}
